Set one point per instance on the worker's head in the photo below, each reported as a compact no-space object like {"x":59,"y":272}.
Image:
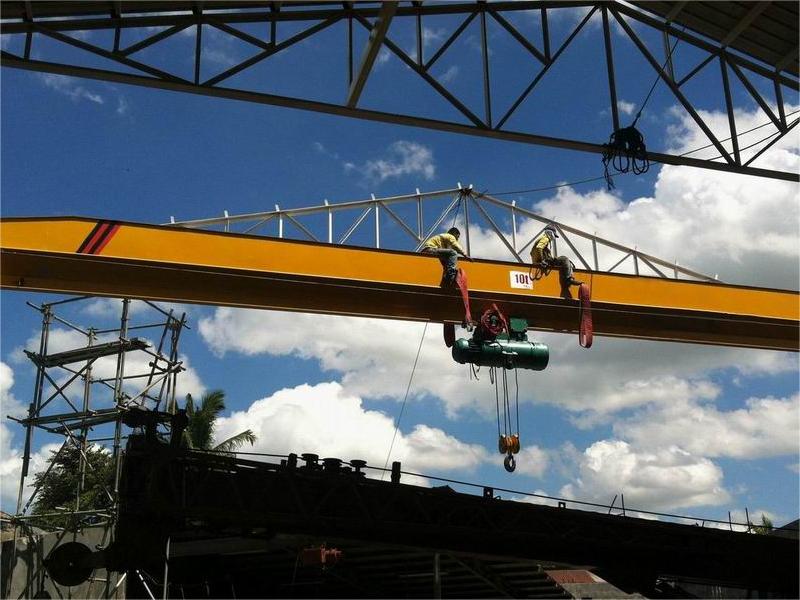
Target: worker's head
{"x":454,"y":232}
{"x":551,"y":232}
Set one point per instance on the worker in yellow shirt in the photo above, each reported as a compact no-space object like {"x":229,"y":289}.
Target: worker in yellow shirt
{"x":542,"y":255}
{"x":446,"y":247}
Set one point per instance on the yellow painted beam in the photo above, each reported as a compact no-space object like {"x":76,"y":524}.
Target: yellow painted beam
{"x":86,"y":256}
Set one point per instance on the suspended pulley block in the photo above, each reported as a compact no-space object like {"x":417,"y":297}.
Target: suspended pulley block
{"x":501,"y":343}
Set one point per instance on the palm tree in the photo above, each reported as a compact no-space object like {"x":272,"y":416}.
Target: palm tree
{"x":199,"y":433}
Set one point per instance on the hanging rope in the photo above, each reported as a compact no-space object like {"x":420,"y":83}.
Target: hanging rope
{"x":403,"y":406}
{"x":625,"y":151}
{"x":461,"y":198}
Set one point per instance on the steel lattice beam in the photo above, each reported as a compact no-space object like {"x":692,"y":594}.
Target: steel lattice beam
{"x":53,"y":21}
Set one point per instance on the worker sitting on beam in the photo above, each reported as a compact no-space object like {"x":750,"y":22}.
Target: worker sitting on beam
{"x":542,"y":256}
{"x":446,"y":247}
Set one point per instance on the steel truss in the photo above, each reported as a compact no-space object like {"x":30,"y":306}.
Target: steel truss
{"x":469,"y":208}
{"x":378,"y":19}
{"x":63,"y":407}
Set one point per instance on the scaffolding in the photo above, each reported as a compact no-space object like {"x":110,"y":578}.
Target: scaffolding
{"x":82,"y":395}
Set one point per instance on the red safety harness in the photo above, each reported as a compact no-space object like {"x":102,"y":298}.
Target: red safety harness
{"x":586,"y":331}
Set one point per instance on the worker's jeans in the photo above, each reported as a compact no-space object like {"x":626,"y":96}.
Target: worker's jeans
{"x":565,"y":266}
{"x":448,"y":258}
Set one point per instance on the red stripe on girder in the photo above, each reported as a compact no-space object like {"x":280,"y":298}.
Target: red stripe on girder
{"x":110,"y":231}
{"x":96,"y":234}
{"x":91,"y":237}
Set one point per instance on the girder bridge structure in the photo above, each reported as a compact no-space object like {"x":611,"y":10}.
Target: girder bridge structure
{"x":361,"y":258}
{"x":749,"y":47}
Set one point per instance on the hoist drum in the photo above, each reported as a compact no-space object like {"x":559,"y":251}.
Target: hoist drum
{"x":507,"y":354}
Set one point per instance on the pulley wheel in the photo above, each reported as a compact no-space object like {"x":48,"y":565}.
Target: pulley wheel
{"x":69,"y":564}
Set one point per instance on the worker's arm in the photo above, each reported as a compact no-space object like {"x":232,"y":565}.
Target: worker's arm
{"x":457,"y":247}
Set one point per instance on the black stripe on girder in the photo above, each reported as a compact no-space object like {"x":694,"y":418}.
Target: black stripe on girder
{"x":92,"y":234}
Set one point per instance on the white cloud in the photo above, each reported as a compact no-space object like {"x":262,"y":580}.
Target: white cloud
{"x":375,"y":358}
{"x":11,"y":454}
{"x":11,"y":467}
{"x":328,"y":420}
{"x":68,"y":86}
{"x":322,"y":149}
{"x":766,"y":427}
{"x":661,"y":479}
{"x":746,"y":229}
{"x":449,"y":75}
{"x":219,"y":56}
{"x":402,"y":158}
{"x":136,"y":363}
{"x":626,"y":108}
{"x":8,"y":402}
{"x":383,"y":57}
{"x":532,"y":461}
{"x":111,"y":308}
{"x":122,"y":105}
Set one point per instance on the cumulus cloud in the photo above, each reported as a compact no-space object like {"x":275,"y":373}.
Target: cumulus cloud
{"x":328,"y":420}
{"x":401,"y":158}
{"x":661,"y":479}
{"x":765,"y":427}
{"x":9,"y":403}
{"x":374,"y":357}
{"x":10,"y":450}
{"x":533,"y":461}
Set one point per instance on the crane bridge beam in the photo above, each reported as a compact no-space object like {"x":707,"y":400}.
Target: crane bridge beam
{"x":85,"y":256}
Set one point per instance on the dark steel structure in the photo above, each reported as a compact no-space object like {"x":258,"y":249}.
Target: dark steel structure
{"x":753,"y":44}
{"x":220,"y":520}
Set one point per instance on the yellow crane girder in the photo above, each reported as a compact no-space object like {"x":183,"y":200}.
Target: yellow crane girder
{"x":85,"y":256}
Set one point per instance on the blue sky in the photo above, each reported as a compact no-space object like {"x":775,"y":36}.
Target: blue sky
{"x":675,"y":428}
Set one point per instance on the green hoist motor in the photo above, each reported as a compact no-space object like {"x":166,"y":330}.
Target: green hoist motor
{"x":511,"y":350}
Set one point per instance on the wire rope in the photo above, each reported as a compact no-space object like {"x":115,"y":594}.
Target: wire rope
{"x":657,"y":79}
{"x":496,"y":400}
{"x":403,"y":406}
{"x":516,"y":390}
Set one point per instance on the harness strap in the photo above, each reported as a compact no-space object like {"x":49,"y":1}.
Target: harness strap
{"x":586,"y":331}
{"x":461,"y":281}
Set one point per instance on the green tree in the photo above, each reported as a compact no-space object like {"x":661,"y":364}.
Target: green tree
{"x":199,"y":433}
{"x":58,"y":487}
{"x":765,"y":528}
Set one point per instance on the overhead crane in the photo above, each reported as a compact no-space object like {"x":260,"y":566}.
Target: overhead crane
{"x":75,"y":255}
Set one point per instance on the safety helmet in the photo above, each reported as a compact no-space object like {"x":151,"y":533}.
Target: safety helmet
{"x":551,"y":230}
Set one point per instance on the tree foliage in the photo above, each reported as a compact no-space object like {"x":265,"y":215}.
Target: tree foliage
{"x":765,"y":528}
{"x":199,"y":433}
{"x":59,"y":485}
